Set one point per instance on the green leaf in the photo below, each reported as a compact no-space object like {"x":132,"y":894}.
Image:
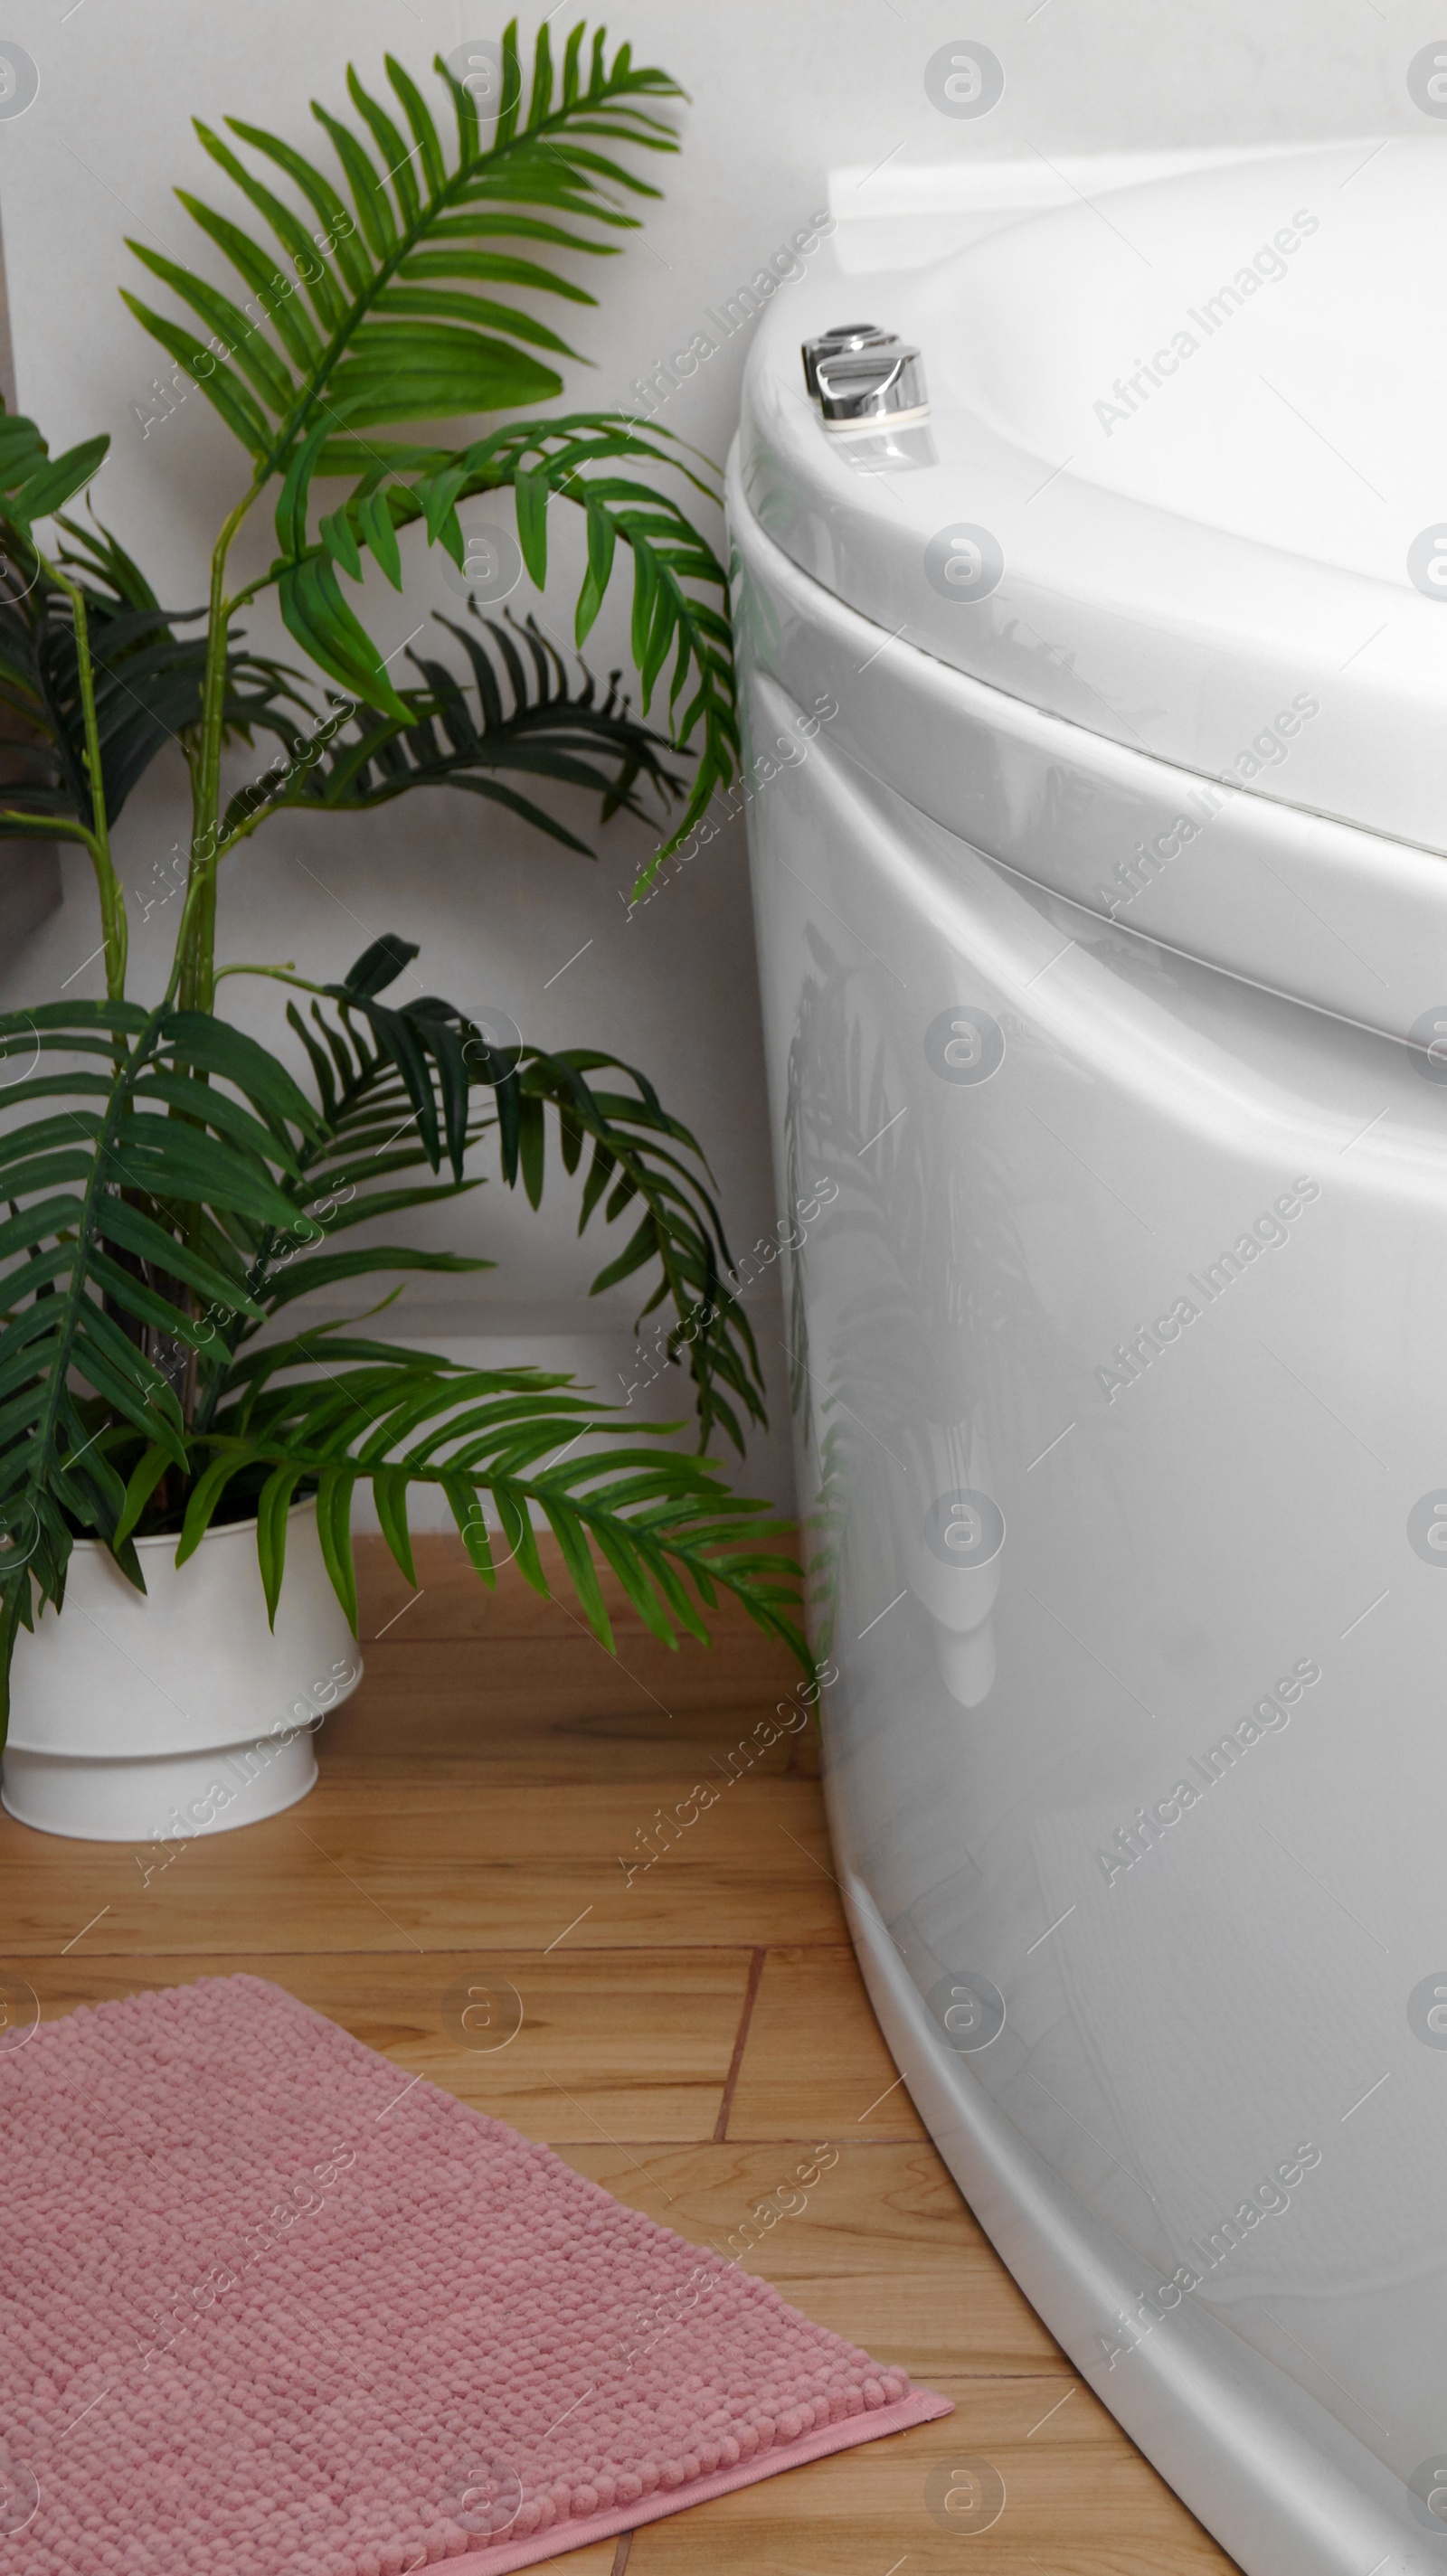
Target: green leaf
{"x":271,"y":288}
{"x":398,"y":371}
{"x":291,"y":508}
{"x":602,"y":539}
{"x":369,"y":193}
{"x":319,"y":618}
{"x":532,"y":496}
{"x":570,"y":1532}
{"x":304,"y":253}
{"x":496,"y":268}
{"x":334,"y":1528}
{"x":145,"y":1477}
{"x":376,"y":525}
{"x":129,"y":1225}
{"x":542,"y":97}
{"x":389,"y":1492}
{"x":227,"y":323}
{"x":471,"y":1527}
{"x":126,"y":1291}
{"x":321,"y":196}
{"x":221,"y":387}
{"x":213,"y":1046}
{"x":380,"y":965}
{"x":47,"y":491}
{"x":172,"y":1160}
{"x":340,"y":542}
{"x":507,"y":115}
{"x":415,"y":109}
{"x":272,"y":1507}
{"x":204,"y":1500}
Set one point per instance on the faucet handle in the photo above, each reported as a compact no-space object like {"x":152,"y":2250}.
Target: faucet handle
{"x":843,"y":335}
{"x":864,"y":386}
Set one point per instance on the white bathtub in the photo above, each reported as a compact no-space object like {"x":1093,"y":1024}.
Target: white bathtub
{"x":1121,"y":1339}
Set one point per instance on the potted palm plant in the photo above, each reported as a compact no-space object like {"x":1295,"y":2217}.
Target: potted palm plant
{"x":170,"y":1445}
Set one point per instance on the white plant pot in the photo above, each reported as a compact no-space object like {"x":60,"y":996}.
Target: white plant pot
{"x":158,"y":1716}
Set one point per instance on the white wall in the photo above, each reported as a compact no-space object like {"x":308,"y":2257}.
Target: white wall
{"x":781,"y":93}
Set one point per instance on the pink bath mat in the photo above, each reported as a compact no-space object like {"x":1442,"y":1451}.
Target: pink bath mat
{"x":269,"y":2309}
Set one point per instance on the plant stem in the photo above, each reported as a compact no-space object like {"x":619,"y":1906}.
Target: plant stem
{"x":280,"y":974}
{"x":114,"y":926}
{"x":198,"y":962}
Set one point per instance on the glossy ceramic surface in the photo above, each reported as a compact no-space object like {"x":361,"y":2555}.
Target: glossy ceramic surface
{"x":1119,"y":1348}
{"x":1183,"y":466}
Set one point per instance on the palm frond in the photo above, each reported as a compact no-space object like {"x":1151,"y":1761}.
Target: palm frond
{"x":680,"y":622}
{"x":100,"y":1275}
{"x":406,"y":324}
{"x":642,"y":1162}
{"x":524,"y":713}
{"x":325,"y":1413}
{"x":147,"y":676}
{"x":158,"y":1179}
{"x":33,"y":484}
{"x":400,"y":1086}
{"x":394,"y":305}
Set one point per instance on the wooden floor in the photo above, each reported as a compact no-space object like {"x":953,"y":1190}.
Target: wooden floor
{"x":687,"y":2037}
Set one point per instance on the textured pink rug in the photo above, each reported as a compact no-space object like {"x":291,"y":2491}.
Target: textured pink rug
{"x":270,"y":2310}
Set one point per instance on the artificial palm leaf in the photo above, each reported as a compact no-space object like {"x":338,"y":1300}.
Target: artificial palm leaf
{"x":167,"y":1182}
{"x":109,"y":1305}
{"x":146,"y":679}
{"x":404,"y":322}
{"x":525,"y":713}
{"x":99,"y":1284}
{"x":400,"y":1086}
{"x":385,"y":298}
{"x":397,"y":1418}
{"x":33,"y":484}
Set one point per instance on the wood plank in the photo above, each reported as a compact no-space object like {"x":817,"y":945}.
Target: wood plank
{"x":507,"y":1713}
{"x":579,"y":1674}
{"x":606,"y":2051}
{"x":1079,"y":2501}
{"x":815,"y":2063}
{"x":264,"y":1886}
{"x":881,"y":2248}
{"x":514,"y":1866}
{"x":433,"y":1864}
